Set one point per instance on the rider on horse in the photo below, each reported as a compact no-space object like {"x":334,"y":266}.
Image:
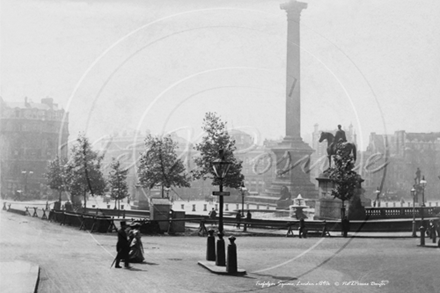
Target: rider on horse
{"x":339,"y":138}
{"x":340,"y":135}
{"x":333,"y":141}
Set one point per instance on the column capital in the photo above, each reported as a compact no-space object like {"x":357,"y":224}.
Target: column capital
{"x":293,"y":8}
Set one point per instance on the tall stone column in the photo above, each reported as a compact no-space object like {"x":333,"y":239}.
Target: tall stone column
{"x":292,"y":153}
{"x":293,"y":74}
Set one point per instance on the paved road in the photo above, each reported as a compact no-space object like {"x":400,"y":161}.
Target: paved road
{"x":77,"y":261}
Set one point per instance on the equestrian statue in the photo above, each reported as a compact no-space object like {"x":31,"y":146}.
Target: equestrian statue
{"x":338,"y":139}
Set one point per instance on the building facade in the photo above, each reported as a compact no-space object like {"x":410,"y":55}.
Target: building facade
{"x":31,"y":135}
{"x":394,"y":159}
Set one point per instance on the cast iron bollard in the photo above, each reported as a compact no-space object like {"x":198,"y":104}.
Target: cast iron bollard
{"x":434,"y":235}
{"x":210,"y":250}
{"x":231,"y":263}
{"x":4,"y":206}
{"x":220,"y":257}
{"x":422,"y":236}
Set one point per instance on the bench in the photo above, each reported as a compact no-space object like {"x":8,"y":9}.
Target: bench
{"x":15,"y":211}
{"x":310,"y":227}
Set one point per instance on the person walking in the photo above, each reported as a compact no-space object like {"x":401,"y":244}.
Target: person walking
{"x":136,"y":254}
{"x":123,"y":246}
{"x":212,"y":215}
{"x":302,"y":228}
{"x":238,"y":218}
{"x":248,"y":216}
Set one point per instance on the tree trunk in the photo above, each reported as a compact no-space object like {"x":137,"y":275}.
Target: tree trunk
{"x":343,"y":210}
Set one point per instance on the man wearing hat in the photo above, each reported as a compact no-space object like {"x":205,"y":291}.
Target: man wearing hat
{"x":123,"y":246}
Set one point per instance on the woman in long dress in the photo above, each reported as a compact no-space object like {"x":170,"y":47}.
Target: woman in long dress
{"x":136,"y":254}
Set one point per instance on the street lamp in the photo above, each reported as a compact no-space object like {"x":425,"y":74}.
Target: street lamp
{"x":413,"y":193}
{"x":377,"y":192}
{"x":243,"y":190}
{"x":220,"y":167}
{"x":26,"y":174}
{"x":167,"y":189}
{"x":423,"y":185}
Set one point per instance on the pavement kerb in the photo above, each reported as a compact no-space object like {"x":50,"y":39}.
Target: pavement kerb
{"x":19,"y":276}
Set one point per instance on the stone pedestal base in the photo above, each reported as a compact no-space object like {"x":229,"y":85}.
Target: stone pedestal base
{"x":328,"y":209}
{"x":291,"y":167}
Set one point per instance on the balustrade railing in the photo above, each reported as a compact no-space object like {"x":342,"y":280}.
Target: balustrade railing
{"x":401,"y":212}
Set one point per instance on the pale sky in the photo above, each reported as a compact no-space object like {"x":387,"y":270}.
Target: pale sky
{"x":160,"y":65}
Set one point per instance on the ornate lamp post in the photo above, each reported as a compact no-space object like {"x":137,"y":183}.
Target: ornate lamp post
{"x":167,"y":189}
{"x":423,"y":185}
{"x":243,"y":190}
{"x":377,"y":192}
{"x":413,"y":193}
{"x":220,"y":167}
{"x":26,"y":174}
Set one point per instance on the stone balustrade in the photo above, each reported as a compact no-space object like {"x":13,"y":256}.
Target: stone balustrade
{"x":401,"y":212}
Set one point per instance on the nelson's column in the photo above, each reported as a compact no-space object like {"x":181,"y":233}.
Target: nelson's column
{"x":292,"y":152}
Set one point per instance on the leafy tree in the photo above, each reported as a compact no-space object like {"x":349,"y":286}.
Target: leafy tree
{"x":56,"y":175}
{"x":217,"y":138}
{"x":117,"y":181}
{"x":84,"y":170}
{"x":159,"y":165}
{"x":345,"y":179}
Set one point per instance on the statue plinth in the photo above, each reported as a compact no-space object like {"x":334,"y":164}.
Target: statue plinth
{"x":292,"y":156}
{"x":328,"y":207}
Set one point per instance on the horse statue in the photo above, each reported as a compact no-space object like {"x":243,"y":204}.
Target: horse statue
{"x":347,"y":147}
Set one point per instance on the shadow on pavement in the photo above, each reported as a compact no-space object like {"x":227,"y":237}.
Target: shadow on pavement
{"x":136,"y":270}
{"x":148,"y":263}
{"x":278,"y":277}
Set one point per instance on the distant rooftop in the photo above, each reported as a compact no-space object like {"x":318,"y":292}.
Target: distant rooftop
{"x":432,"y":136}
{"x":45,"y":104}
